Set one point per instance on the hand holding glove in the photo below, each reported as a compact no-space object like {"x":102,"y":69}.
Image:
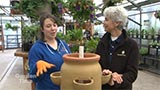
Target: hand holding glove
{"x":42,"y":67}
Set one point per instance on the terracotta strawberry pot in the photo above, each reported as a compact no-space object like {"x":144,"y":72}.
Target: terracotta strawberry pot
{"x":80,"y":73}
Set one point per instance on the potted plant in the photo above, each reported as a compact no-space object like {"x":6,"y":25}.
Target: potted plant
{"x":75,"y":34}
{"x":153,"y":44}
{"x":90,"y":45}
{"x":143,"y":51}
{"x":133,"y":33}
{"x":144,"y":33}
{"x":108,"y":3}
{"x":129,"y":33}
{"x":29,"y":35}
{"x":14,"y":7}
{"x":34,"y":8}
{"x":81,"y":10}
{"x":137,"y":33}
{"x":76,"y":38}
{"x":152,"y":32}
{"x":66,"y":37}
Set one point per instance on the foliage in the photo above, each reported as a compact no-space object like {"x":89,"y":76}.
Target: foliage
{"x":131,"y":31}
{"x":58,"y":8}
{"x":29,"y":33}
{"x":143,"y":51}
{"x":108,"y":3}
{"x":9,"y":26}
{"x":81,"y":10}
{"x":144,"y":32}
{"x":73,"y":38}
{"x":61,"y":36}
{"x":152,"y":31}
{"x":15,"y":7}
{"x":74,"y":48}
{"x":32,"y":8}
{"x":75,"y":34}
{"x":154,"y":43}
{"x":90,"y":45}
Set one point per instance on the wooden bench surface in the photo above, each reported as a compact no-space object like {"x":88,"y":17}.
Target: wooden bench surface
{"x":21,"y":53}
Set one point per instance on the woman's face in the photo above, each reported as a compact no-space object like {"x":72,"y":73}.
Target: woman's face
{"x":49,"y":29}
{"x":109,"y":25}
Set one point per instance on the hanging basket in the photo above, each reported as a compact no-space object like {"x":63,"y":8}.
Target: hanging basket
{"x":46,"y":8}
{"x":15,"y":10}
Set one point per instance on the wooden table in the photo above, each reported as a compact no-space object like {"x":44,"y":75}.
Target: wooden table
{"x":24,"y":55}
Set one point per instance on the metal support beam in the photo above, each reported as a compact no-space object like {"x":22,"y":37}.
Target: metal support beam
{"x":140,"y":24}
{"x":141,"y":4}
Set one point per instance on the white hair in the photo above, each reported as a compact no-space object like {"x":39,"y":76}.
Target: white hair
{"x":117,"y":13}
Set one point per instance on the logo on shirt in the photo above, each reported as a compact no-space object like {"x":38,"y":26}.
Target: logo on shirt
{"x":123,"y":53}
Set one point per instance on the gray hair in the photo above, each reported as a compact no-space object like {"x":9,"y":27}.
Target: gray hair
{"x":117,"y":13}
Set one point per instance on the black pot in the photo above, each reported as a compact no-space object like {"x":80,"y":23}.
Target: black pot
{"x":26,"y":46}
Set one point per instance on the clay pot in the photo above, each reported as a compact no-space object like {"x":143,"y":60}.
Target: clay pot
{"x":56,"y":77}
{"x":105,"y":78}
{"x":80,"y":73}
{"x":83,"y":83}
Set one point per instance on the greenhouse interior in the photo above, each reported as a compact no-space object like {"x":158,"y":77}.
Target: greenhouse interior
{"x":81,"y":30}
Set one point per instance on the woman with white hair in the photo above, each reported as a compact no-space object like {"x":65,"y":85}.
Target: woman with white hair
{"x":119,"y":53}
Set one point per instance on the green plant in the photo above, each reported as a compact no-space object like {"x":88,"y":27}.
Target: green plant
{"x":30,"y":7}
{"x":29,"y":33}
{"x":143,"y":51}
{"x":152,"y":31}
{"x":81,"y":10}
{"x":73,"y":38}
{"x":34,"y":8}
{"x":58,"y":8}
{"x":74,"y":48}
{"x":144,"y":33}
{"x":90,"y":45}
{"x":75,"y":34}
{"x":66,"y":37}
{"x":9,"y":26}
{"x":153,"y":43}
{"x":137,"y":31}
{"x":15,"y":7}
{"x":108,"y":3}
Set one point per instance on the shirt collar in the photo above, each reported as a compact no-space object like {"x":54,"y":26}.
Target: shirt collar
{"x":118,"y":39}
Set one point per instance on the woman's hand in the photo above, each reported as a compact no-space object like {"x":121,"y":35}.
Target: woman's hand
{"x":106,"y":72}
{"x":117,"y":77}
{"x":114,"y":78}
{"x":42,"y":67}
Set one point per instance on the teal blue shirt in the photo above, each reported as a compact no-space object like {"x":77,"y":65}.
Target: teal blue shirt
{"x":42,"y":51}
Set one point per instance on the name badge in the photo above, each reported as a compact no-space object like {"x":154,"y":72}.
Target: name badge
{"x":122,"y":54}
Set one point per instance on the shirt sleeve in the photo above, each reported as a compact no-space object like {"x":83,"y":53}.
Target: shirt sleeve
{"x":33,"y":56}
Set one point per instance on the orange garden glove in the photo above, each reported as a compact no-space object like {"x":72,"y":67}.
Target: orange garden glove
{"x":42,"y":67}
